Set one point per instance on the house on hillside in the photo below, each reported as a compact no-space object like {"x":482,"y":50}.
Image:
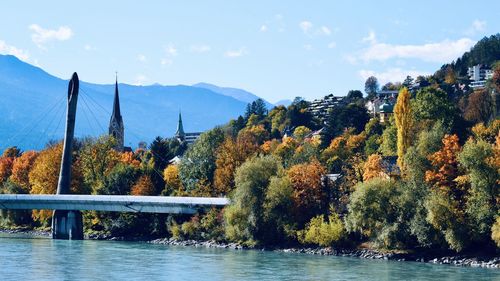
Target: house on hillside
{"x":478,"y":75}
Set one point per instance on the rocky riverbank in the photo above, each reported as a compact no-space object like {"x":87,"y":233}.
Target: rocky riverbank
{"x":457,"y":260}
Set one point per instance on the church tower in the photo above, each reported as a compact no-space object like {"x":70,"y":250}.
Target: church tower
{"x":179,"y":134}
{"x":116,"y":128}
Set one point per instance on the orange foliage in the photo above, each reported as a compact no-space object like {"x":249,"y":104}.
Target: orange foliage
{"x":5,"y":167}
{"x":373,"y":167}
{"x":445,"y":165}
{"x":309,"y":195}
{"x":44,"y":176}
{"x":269,"y":146}
{"x":130,"y":159}
{"x":230,"y":155}
{"x":144,"y":186}
{"x":21,"y":167}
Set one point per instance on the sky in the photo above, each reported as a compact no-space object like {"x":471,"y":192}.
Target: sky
{"x":274,"y":49}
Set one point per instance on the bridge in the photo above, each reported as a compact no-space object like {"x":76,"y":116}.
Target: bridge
{"x":111,"y":203}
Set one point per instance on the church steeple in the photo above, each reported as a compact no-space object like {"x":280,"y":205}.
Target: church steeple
{"x":116,"y":128}
{"x":179,"y":134}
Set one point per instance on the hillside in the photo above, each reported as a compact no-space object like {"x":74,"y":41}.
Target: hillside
{"x":33,"y":107}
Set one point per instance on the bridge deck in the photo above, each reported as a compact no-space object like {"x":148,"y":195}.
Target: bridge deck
{"x":113,"y":203}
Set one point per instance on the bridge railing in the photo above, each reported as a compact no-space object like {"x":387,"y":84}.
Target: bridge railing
{"x":111,"y":203}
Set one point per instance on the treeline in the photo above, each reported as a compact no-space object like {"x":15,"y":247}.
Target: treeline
{"x":427,"y":178}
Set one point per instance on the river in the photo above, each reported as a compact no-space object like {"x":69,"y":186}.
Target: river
{"x":24,"y":258}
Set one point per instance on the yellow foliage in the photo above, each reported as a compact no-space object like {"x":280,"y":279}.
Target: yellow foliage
{"x":172,"y":181}
{"x":130,"y":159}
{"x":322,"y":233}
{"x":495,"y":232}
{"x":404,"y":122}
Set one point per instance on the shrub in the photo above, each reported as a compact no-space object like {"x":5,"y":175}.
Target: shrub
{"x":322,"y":233}
{"x":495,"y":232}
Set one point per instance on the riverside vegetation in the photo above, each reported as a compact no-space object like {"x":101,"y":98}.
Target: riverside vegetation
{"x":440,"y":194}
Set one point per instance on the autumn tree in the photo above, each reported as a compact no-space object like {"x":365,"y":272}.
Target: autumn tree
{"x":5,"y":167}
{"x":44,"y":176}
{"x":98,"y":157}
{"x":21,"y":167}
{"x":373,"y":167}
{"x":403,"y":117}
{"x":143,"y":186}
{"x":173,"y":184}
{"x":229,"y":156}
{"x":479,"y":107}
{"x":309,"y":194}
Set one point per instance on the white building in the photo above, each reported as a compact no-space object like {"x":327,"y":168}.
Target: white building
{"x":479,"y":74}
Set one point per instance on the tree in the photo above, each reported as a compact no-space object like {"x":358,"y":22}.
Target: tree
{"x":403,"y":117}
{"x":481,"y":206}
{"x":44,"y":176}
{"x":198,"y":164}
{"x":389,"y":140}
{"x":143,"y":186}
{"x":354,"y":95}
{"x":98,"y":157}
{"x":432,"y":104}
{"x":408,"y":82}
{"x":257,"y":107}
{"x":245,"y":221}
{"x":309,"y":194}
{"x":21,"y":168}
{"x":323,"y":233}
{"x":371,"y":87}
{"x":375,"y":210}
{"x":173,"y":184}
{"x":479,"y":107}
{"x":343,"y":117}
{"x":5,"y":167}
{"x":373,"y":167}
{"x":301,"y":132}
{"x":229,"y":156}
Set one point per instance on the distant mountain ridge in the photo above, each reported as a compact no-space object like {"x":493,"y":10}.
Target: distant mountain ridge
{"x":236,"y":93}
{"x":32,"y":110}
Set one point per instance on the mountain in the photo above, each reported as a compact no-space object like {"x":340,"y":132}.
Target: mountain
{"x":236,"y":93}
{"x":283,"y":102}
{"x":33,"y":107}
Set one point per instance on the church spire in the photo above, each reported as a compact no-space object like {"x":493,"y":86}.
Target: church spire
{"x":116,"y":128}
{"x":180,"y":129}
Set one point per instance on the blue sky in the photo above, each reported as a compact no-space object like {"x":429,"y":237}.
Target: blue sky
{"x":275,"y":49}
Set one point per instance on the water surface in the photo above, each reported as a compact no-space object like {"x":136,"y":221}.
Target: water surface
{"x":24,"y":258}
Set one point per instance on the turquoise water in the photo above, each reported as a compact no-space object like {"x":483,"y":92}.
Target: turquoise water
{"x":46,"y":259}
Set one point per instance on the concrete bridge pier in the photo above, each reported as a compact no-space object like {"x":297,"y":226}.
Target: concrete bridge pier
{"x":67,"y":224}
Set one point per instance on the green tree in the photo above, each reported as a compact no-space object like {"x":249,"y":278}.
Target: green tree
{"x":371,"y":87}
{"x":245,"y":221}
{"x":198,"y":164}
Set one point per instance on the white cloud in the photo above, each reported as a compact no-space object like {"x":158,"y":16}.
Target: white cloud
{"x":325,"y":30}
{"x":263,"y":28}
{"x":200,"y":48}
{"x":332,"y":45}
{"x":236,"y":53}
{"x":476,"y":27}
{"x":140,"y":79}
{"x":141,"y":58}
{"x":11,"y":50}
{"x":40,"y":35}
{"x":441,"y":52}
{"x":305,"y":26}
{"x":391,"y":74}
{"x":171,"y":50}
{"x":370,"y":38}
